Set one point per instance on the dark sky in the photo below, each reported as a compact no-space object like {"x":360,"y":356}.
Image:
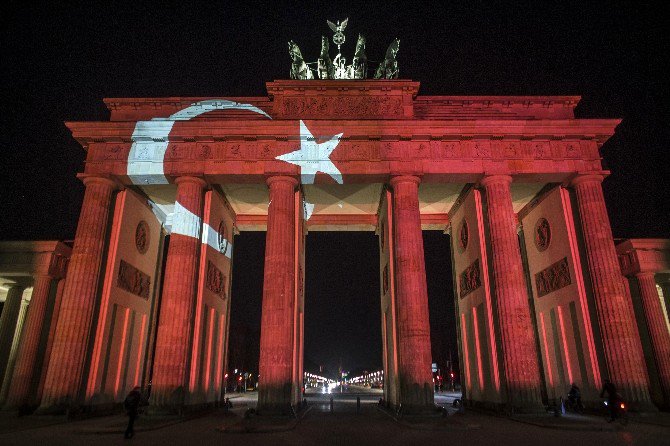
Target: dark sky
{"x":58,"y":62}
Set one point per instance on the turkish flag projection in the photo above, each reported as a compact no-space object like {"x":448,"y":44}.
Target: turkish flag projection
{"x":149,"y":152}
{"x":311,"y":150}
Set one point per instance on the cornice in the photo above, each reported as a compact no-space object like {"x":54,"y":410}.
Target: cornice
{"x":589,"y":129}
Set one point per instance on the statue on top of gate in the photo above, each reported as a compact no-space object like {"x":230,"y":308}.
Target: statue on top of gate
{"x":337,"y":68}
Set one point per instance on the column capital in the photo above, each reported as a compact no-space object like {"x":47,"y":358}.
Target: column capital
{"x":645,"y":274}
{"x":95,"y":179}
{"x":281,"y":178}
{"x":41,"y":275}
{"x":189,"y":179}
{"x":584,"y":178}
{"x":405,"y":179}
{"x":490,"y":179}
{"x":22,"y":284}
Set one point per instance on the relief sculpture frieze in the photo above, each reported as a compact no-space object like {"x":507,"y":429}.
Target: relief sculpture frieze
{"x":133,"y":280}
{"x":341,"y":106}
{"x":470,"y":279}
{"x":553,"y":278}
{"x":215,"y":280}
{"x":349,"y":150}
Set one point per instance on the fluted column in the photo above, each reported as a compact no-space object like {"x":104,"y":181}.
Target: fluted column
{"x":66,"y":366}
{"x":621,"y":341}
{"x":53,"y":322}
{"x":665,"y":289}
{"x":276,"y":352}
{"x":414,"y":355}
{"x":658,"y":329}
{"x":175,"y":326}
{"x":8,"y":320}
{"x":517,"y":335}
{"x":25,"y":378}
{"x":13,"y":352}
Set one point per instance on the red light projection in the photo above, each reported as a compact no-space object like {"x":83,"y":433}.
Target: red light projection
{"x":216,"y":281}
{"x":470,"y":279}
{"x":133,"y":280}
{"x":553,"y":278}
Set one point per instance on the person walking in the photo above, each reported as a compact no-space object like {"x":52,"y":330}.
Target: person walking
{"x":575,"y":399}
{"x":612,"y":398}
{"x":132,"y":405}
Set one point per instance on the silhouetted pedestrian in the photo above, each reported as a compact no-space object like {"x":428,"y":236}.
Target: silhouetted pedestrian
{"x":612,"y":398}
{"x":132,"y":406}
{"x":575,"y":398}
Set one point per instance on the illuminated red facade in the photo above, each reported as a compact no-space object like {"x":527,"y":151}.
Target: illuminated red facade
{"x":516,"y":181}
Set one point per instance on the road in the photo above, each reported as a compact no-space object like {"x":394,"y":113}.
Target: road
{"x":344,"y":426}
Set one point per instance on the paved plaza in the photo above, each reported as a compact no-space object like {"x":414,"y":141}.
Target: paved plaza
{"x":345,"y":425}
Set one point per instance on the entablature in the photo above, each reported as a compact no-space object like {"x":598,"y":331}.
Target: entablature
{"x":195,"y":131}
{"x":644,"y":255}
{"x":353,"y":99}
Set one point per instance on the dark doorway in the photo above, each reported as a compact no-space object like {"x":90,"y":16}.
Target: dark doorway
{"x":444,"y":343}
{"x":342,"y":306}
{"x":342,"y":303}
{"x":245,"y":308}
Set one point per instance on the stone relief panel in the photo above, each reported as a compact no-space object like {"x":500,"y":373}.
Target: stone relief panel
{"x":204,"y":151}
{"x":553,"y":278}
{"x":541,"y":149}
{"x":142,"y":237}
{"x":470,"y":279}
{"x":463,"y":236}
{"x":113,"y":152}
{"x":479,"y":148}
{"x":180,"y":151}
{"x":215,"y":280}
{"x":389,"y":150}
{"x":420,"y":150}
{"x":572,"y":149}
{"x":133,"y":280}
{"x":542,"y":234}
{"x":233,"y":150}
{"x":354,"y":150}
{"x":341,"y":106}
{"x":445,"y":149}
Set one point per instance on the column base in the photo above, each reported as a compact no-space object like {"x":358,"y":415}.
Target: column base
{"x":417,"y":396}
{"x":70,"y":411}
{"x":276,"y":410}
{"x":275,"y":400}
{"x":180,"y":410}
{"x":24,"y":409}
{"x":506,"y":408}
{"x":418,"y":411}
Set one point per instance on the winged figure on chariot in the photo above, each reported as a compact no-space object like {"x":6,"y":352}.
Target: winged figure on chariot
{"x":337,"y":68}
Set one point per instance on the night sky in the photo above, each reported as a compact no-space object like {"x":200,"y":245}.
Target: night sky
{"x":59,"y":62}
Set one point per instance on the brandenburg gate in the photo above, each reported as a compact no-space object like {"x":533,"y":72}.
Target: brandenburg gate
{"x":541,"y":301}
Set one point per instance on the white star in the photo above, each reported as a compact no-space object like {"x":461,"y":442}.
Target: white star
{"x":313,"y":157}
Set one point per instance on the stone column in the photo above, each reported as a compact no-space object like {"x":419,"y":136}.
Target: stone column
{"x":665,"y":288}
{"x":658,"y":329}
{"x":8,"y":320}
{"x":14,"y":350}
{"x":66,"y":366}
{"x":50,"y":338}
{"x":620,"y":338}
{"x":175,"y":323}
{"x":517,"y":335}
{"x":414,"y":355}
{"x":276,"y":352}
{"x":25,"y":378}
